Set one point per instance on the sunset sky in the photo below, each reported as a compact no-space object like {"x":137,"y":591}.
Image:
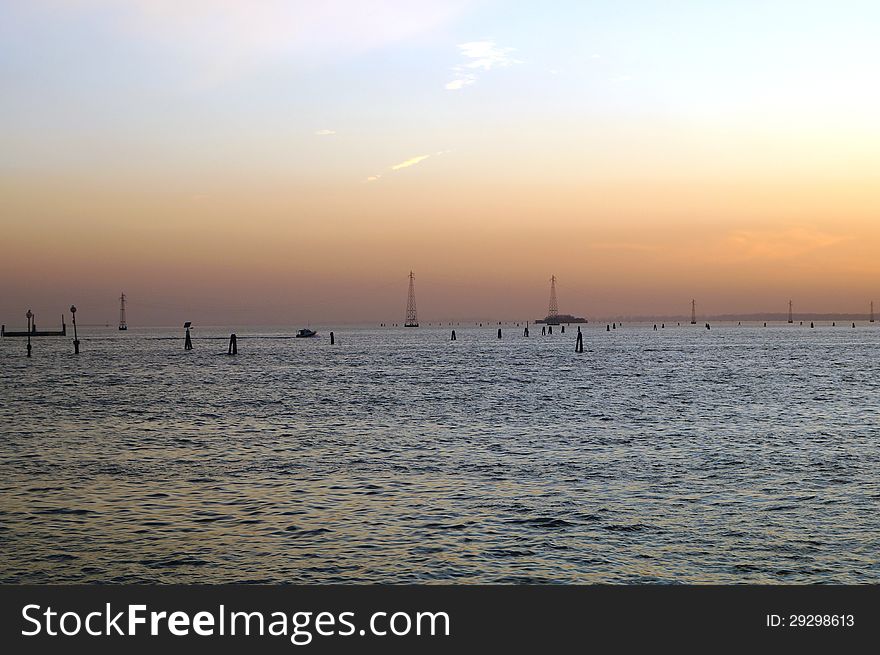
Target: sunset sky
{"x":269,"y":161}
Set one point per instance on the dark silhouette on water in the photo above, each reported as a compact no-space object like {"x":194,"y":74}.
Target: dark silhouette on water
{"x":333,"y":338}
{"x":553,"y":316}
{"x":188,"y":344}
{"x":453,"y":336}
{"x":412,"y":319}
{"x":579,"y":344}
{"x":553,"y":308}
{"x":233,"y":345}
{"x":32,"y":331}
{"x":122,"y":324}
{"x":75,"y":340}
{"x":499,"y":333}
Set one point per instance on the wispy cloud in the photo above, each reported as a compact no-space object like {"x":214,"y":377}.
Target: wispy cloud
{"x":412,"y":161}
{"x":325,"y":132}
{"x":460,"y":82}
{"x":479,"y":56}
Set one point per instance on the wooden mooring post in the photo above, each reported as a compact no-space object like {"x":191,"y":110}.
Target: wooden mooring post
{"x":75,"y":340}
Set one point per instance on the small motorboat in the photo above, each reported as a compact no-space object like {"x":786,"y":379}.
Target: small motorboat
{"x":305,"y":332}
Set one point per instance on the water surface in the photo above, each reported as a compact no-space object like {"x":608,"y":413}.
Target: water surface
{"x":737,"y":454}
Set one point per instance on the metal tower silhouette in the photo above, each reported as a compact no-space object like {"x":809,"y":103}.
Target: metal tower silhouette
{"x":553,"y":310}
{"x":872,"y":311}
{"x":790,"y":317}
{"x":693,"y":312}
{"x":412,"y":319}
{"x":122,"y":324}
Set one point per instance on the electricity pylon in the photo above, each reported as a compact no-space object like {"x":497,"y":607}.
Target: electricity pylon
{"x":412,"y":319}
{"x":122,"y":324}
{"x":553,"y":310}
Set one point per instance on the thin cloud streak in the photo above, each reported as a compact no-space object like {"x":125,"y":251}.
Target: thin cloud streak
{"x":412,"y":161}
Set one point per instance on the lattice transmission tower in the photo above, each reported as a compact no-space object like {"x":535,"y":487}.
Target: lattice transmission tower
{"x":553,"y":309}
{"x":412,"y":319}
{"x":122,"y":324}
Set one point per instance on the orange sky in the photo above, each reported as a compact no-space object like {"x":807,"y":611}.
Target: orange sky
{"x":295,"y":185}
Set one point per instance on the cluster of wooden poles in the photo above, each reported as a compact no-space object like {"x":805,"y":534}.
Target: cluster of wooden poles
{"x":233,"y":340}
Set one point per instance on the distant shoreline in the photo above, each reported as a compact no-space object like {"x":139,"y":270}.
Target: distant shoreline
{"x":726,"y":318}
{"x":491,"y":323}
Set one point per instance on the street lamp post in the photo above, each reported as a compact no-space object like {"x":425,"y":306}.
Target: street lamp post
{"x":75,"y":340}
{"x":30,"y":316}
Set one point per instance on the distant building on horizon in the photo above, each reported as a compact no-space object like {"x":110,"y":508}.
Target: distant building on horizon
{"x":561,"y":318}
{"x":553,"y":316}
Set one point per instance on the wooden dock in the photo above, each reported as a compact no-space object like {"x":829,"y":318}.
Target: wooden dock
{"x":35,"y":332}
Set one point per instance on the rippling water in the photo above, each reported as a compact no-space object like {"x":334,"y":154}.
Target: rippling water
{"x":682,"y":455}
